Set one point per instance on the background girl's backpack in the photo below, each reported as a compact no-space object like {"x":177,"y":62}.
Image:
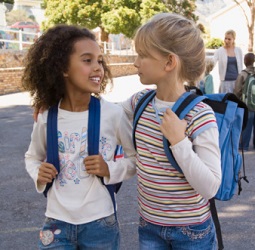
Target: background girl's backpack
{"x":248,"y":93}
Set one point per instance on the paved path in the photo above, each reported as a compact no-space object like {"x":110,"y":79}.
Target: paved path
{"x":22,"y":209}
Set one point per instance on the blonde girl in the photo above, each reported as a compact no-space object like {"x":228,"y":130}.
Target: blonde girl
{"x":174,"y":208}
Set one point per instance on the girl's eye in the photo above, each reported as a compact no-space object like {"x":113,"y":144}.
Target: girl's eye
{"x":100,"y":61}
{"x":87,"y":60}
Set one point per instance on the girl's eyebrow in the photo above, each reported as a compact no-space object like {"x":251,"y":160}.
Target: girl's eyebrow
{"x":89,"y":54}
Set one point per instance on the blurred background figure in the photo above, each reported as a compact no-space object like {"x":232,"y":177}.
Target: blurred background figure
{"x":230,"y":62}
{"x":206,"y":84}
{"x":238,"y":91}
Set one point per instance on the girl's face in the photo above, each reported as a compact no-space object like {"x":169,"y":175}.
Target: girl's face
{"x":150,"y":67}
{"x":229,"y":40}
{"x":85,"y":71}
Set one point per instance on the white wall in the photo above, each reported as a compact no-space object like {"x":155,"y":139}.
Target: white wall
{"x":231,"y":18}
{"x":2,"y":15}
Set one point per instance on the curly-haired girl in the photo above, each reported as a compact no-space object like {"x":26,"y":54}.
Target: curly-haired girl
{"x":65,"y":67}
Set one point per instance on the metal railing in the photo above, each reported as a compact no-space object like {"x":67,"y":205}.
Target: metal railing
{"x":20,"y":40}
{"x":17,"y":39}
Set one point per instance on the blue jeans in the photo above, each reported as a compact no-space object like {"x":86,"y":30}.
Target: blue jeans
{"x":100,"y":234}
{"x":246,"y":134}
{"x":193,"y":237}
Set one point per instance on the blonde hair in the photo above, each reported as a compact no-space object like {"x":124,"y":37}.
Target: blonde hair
{"x":209,"y":64}
{"x":232,"y":33}
{"x":170,"y":33}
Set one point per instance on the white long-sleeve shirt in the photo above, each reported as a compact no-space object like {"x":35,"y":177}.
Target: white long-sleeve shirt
{"x":165,"y":196}
{"x":77,"y":197}
{"x":221,"y":57}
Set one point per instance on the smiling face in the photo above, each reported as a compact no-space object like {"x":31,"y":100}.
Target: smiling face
{"x":229,"y":40}
{"x":85,"y":71}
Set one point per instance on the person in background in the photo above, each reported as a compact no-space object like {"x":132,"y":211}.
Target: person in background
{"x":1,"y":43}
{"x":66,"y":67}
{"x":206,"y":84}
{"x":239,"y":84}
{"x":230,"y":62}
{"x":174,"y":207}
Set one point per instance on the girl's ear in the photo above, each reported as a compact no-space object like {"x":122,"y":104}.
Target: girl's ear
{"x":171,"y":62}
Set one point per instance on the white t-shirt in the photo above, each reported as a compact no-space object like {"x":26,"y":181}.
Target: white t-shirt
{"x":77,"y":197}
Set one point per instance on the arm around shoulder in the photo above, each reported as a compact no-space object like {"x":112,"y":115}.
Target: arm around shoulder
{"x":124,"y":168}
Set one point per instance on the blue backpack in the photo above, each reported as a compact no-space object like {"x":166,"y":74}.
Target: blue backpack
{"x":93,"y":142}
{"x":231,"y":116}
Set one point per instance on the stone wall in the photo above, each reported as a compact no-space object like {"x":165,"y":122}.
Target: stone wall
{"x":11,"y":69}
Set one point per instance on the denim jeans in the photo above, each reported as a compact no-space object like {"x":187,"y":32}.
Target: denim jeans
{"x":193,"y":237}
{"x":246,"y":134}
{"x":100,"y":234}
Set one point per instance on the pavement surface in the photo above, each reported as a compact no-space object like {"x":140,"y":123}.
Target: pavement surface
{"x":22,"y":208}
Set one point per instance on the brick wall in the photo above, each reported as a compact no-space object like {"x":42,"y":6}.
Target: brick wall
{"x":11,"y":69}
{"x":10,"y":80}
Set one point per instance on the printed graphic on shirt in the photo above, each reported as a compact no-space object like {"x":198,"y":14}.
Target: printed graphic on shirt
{"x":73,"y":149}
{"x":105,"y":147}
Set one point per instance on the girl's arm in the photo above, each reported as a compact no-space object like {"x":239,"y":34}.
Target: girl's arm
{"x":36,"y":153}
{"x":201,"y":166}
{"x":199,"y":160}
{"x":123,"y":168}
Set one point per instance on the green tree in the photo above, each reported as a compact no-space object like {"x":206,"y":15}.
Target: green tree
{"x":250,"y":19}
{"x":9,"y":4}
{"x":112,"y":16}
{"x":183,"y":7}
{"x":7,"y":1}
{"x":151,"y":7}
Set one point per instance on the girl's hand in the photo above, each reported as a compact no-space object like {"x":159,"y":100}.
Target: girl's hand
{"x":96,"y":165}
{"x":172,"y":127}
{"x":47,"y":172}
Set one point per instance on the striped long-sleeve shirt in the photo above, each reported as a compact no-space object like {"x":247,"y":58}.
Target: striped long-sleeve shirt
{"x":165,"y":196}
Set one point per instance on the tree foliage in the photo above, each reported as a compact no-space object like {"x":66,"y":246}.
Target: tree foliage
{"x":7,"y":1}
{"x":112,"y":16}
{"x":214,"y":43}
{"x":185,"y":7}
{"x":8,"y":4}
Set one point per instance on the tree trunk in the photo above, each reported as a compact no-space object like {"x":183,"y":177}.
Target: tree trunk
{"x":251,"y":38}
{"x":104,"y":35}
{"x":251,"y":28}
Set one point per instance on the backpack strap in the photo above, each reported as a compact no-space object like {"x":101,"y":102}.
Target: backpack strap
{"x":52,"y":142}
{"x":139,"y":108}
{"x":93,"y":126}
{"x":216,"y":223}
{"x":93,"y":141}
{"x":182,"y":107}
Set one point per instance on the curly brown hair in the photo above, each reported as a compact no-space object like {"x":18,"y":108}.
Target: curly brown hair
{"x":48,"y":58}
